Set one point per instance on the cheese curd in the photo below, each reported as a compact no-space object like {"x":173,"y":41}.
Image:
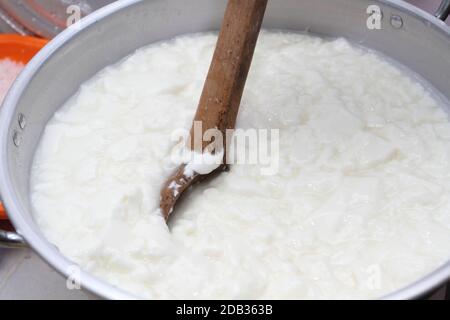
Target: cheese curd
{"x":359,"y":206}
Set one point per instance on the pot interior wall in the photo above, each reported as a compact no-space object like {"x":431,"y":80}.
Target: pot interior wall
{"x":418,"y":44}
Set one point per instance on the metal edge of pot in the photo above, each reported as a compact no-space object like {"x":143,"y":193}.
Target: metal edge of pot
{"x":57,"y":260}
{"x":44,"y":249}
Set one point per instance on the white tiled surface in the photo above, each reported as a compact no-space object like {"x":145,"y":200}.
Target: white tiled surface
{"x":23,"y":275}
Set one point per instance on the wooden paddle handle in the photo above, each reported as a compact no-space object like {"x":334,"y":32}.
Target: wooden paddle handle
{"x":222,"y":92}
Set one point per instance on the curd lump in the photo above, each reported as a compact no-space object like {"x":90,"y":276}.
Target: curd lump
{"x":359,"y":207}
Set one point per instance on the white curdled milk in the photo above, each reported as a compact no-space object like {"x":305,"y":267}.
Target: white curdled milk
{"x":360,"y":205}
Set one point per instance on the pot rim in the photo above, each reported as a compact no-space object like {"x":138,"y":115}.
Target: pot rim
{"x":50,"y":253}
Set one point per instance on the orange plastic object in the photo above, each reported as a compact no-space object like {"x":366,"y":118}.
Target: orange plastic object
{"x":19,"y":49}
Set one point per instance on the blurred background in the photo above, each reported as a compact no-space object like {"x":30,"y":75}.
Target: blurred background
{"x":46,"y":18}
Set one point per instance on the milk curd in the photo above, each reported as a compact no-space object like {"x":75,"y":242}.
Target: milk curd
{"x":359,"y":207}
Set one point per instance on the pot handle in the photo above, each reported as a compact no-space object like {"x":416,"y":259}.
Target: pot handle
{"x":9,"y":239}
{"x":443,"y":10}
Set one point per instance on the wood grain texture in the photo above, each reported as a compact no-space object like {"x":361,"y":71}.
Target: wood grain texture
{"x":224,"y":85}
{"x":222,"y":92}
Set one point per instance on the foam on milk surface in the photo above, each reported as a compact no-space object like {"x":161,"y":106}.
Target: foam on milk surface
{"x":360,"y":205}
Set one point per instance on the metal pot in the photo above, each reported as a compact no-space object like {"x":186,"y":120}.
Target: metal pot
{"x":407,"y":34}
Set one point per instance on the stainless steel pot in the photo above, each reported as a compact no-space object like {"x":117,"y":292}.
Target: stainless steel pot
{"x":408,"y":35}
